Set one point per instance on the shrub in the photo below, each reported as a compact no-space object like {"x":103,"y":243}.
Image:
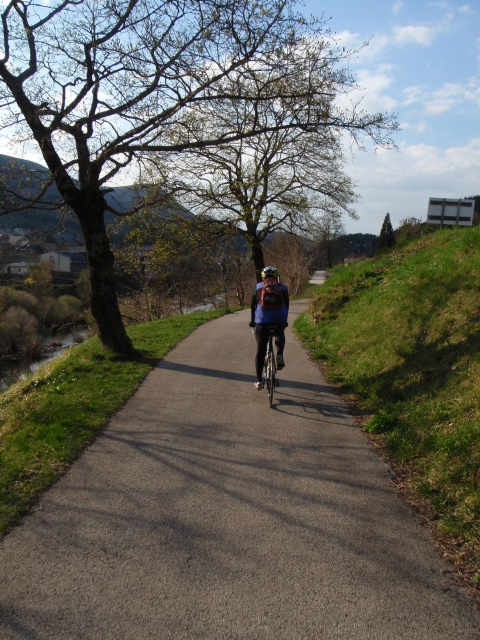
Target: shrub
{"x":10,"y":297}
{"x":40,"y":280}
{"x":18,"y":332}
{"x":63,"y":310}
{"x":82,"y":286}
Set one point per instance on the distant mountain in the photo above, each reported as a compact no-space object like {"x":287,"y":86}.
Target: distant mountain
{"x":26,"y":178}
{"x":10,"y":161}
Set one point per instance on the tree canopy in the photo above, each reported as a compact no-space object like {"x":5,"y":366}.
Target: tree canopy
{"x":387,"y":236}
{"x":282,"y":177}
{"x":99,"y":85}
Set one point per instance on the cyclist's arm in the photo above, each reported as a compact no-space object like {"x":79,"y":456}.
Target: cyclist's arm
{"x":286,"y":298}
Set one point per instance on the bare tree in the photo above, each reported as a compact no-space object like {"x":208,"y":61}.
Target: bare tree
{"x":326,"y":231}
{"x":97,"y":86}
{"x":289,"y":253}
{"x":190,"y":261}
{"x":281,"y":177}
{"x":147,"y":292}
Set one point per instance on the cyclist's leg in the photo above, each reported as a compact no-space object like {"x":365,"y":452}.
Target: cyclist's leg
{"x":261,"y":336}
{"x":280,"y":339}
{"x":280,"y":344}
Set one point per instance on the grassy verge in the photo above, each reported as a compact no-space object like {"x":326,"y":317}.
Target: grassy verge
{"x":46,"y":420}
{"x":308,"y":291}
{"x":402,"y":335}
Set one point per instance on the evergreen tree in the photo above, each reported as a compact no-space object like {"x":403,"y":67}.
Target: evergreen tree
{"x":387,"y":237}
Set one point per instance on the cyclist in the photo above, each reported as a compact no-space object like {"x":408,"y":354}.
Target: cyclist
{"x":269,"y":306}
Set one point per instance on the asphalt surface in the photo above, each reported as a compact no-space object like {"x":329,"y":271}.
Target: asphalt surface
{"x":202,"y":513}
{"x":318,"y":277}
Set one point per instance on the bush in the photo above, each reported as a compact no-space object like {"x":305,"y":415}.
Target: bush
{"x":40,"y":280}
{"x":63,"y":310}
{"x":18,"y":332}
{"x":12,"y":298}
{"x":82,"y":286}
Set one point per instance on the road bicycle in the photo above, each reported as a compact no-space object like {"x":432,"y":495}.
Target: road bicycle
{"x":270,"y":379}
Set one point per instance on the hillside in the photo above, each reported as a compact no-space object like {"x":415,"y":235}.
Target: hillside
{"x":14,"y":170}
{"x":401,"y":334}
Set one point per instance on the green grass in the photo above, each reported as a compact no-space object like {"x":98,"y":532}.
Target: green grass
{"x":401,"y":333}
{"x":308,"y":291}
{"x":46,"y":420}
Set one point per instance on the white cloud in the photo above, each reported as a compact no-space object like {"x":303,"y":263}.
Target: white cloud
{"x":412,"y":95}
{"x":437,"y":102}
{"x":416,"y":35}
{"x":444,"y":99}
{"x":373,"y":85}
{"x":398,"y":6}
{"x":370,"y":94}
{"x":401,"y":183}
{"x":422,"y":34}
{"x":400,"y":36}
{"x":369,"y":49}
{"x":348,"y":39}
{"x":420,"y":127}
{"x":466,"y":9}
{"x":375,"y":45}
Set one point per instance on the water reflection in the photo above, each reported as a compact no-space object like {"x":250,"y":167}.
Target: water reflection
{"x":12,"y":371}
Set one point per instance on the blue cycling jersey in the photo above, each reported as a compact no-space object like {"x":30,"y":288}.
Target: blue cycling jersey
{"x":271,"y":316}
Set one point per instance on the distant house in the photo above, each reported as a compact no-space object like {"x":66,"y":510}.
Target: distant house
{"x":352,"y":257}
{"x":66,"y":261}
{"x":16,"y":268}
{"x":18,"y":241}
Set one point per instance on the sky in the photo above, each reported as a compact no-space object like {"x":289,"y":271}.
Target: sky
{"x":422,"y":63}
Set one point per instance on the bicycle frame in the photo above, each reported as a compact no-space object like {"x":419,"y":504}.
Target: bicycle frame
{"x":270,"y":380}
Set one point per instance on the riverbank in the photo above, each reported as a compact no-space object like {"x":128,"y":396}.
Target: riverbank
{"x":14,"y":369}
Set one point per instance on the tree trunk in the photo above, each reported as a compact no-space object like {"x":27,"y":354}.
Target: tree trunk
{"x":104,"y":302}
{"x":329,"y":248}
{"x":257,"y":257}
{"x":240,"y":294}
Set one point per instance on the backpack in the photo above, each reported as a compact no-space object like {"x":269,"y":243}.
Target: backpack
{"x":270,"y":296}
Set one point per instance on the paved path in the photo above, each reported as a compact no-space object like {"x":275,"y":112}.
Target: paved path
{"x":202,"y":514}
{"x":318,"y":277}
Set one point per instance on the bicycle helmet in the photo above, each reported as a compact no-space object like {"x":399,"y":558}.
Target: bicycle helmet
{"x":270,"y":272}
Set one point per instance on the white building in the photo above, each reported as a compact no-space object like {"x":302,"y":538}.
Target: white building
{"x":16,"y":268}
{"x":18,"y":241}
{"x":66,"y":261}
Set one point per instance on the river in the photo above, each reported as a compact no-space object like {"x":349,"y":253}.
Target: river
{"x":52,"y":346}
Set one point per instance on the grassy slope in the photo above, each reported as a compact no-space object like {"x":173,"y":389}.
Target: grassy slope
{"x":47,"y":420}
{"x":308,"y":291}
{"x":402,"y":334}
